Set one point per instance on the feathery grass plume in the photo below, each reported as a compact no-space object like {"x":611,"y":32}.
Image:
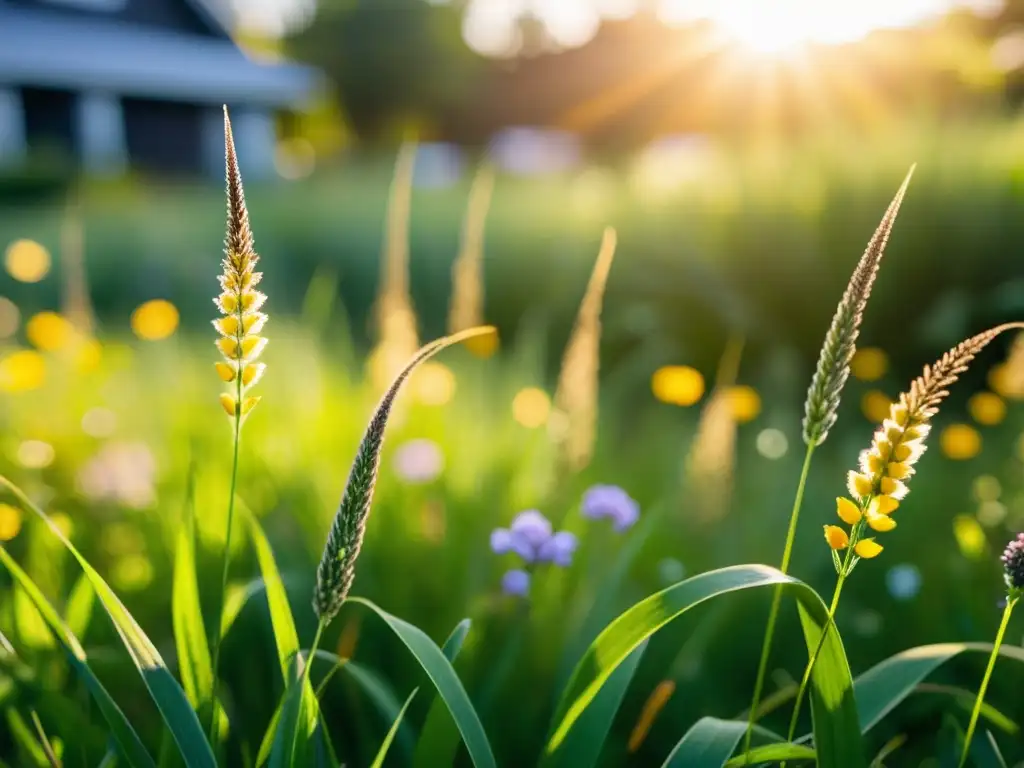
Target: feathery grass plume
{"x":880,"y":482}
{"x":336,"y":571}
{"x":75,"y":288}
{"x":467,"y":304}
{"x":573,"y":426}
{"x":397,"y":337}
{"x":239,"y":302}
{"x":833,"y":367}
{"x":711,"y":460}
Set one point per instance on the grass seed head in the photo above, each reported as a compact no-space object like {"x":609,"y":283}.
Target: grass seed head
{"x":833,"y":368}
{"x":239,"y":302}
{"x":336,"y":571}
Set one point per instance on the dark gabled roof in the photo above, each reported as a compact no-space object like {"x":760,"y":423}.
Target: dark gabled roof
{"x":46,"y":49}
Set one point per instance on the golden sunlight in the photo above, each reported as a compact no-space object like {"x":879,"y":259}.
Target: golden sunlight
{"x":783,"y":26}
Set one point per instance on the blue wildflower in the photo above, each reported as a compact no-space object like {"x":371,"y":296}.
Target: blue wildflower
{"x":515,"y":582}
{"x":558,"y":549}
{"x":612,"y":502}
{"x":527,"y":534}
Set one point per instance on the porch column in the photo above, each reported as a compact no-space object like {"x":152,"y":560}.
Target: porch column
{"x":13,"y":146}
{"x":101,"y":134}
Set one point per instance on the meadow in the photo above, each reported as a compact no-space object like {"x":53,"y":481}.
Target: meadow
{"x":732,"y":268}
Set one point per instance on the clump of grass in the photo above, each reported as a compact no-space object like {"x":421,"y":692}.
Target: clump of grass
{"x":880,"y":482}
{"x":821,"y":406}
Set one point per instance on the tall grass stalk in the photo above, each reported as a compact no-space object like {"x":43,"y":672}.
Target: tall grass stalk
{"x":1010,"y":603}
{"x":822,"y":403}
{"x":240,"y":345}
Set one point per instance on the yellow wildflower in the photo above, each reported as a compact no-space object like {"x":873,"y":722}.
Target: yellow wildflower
{"x":848,"y":512}
{"x":868,"y":548}
{"x":836,"y":537}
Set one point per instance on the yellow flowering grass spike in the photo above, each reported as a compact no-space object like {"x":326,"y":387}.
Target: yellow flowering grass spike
{"x":848,"y":512}
{"x":880,"y":523}
{"x":229,"y":404}
{"x":836,"y":537}
{"x":868,"y":548}
{"x":239,"y":302}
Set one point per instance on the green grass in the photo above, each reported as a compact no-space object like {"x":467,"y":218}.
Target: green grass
{"x":686,"y":276}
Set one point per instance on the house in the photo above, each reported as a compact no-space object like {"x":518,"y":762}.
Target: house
{"x":113,"y":84}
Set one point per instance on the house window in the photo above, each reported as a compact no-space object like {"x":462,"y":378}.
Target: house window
{"x":108,"y":6}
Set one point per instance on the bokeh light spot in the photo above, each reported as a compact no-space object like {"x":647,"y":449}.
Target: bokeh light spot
{"x":969,"y":536}
{"x":772,"y":443}
{"x":1006,"y":381}
{"x":155,"y":320}
{"x":434,"y":383}
{"x":991,"y":513}
{"x":986,"y":408}
{"x":48,"y":331}
{"x":903,"y":581}
{"x":531,"y":407}
{"x":869,"y":364}
{"x":22,"y":371}
{"x":678,"y":385}
{"x":875,"y":404}
{"x":960,"y":442}
{"x":745,"y":403}
{"x":27,"y":261}
{"x":9,"y":318}
{"x":132,"y":573}
{"x":986,"y":488}
{"x":10,"y":522}
{"x":99,"y":422}
{"x":483,"y":346}
{"x":35,"y":454}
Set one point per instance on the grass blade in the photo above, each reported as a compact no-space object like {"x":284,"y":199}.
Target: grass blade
{"x":378,"y":761}
{"x":582,"y":747}
{"x":169,"y":697}
{"x":128,"y":743}
{"x":887,"y":684}
{"x":710,"y":743}
{"x":447,"y":683}
{"x":194,"y":663}
{"x":772,"y":754}
{"x":439,"y":738}
{"x":299,"y":714}
{"x":78,"y":608}
{"x":835,"y":715}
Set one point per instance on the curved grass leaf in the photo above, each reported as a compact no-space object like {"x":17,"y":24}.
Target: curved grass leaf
{"x":378,"y":761}
{"x":887,"y":684}
{"x":168,"y":696}
{"x":710,"y":743}
{"x":194,"y":664}
{"x":300,"y":714}
{"x":835,"y":716}
{"x":447,"y":683}
{"x":965,"y":699}
{"x":582,"y":747}
{"x":772,"y":754}
{"x":78,"y":607}
{"x":439,"y":738}
{"x":128,"y":743}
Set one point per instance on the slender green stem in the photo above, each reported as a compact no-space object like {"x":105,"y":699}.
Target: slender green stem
{"x":1010,"y":602}
{"x":773,"y":614}
{"x":304,"y":681}
{"x":214,"y":717}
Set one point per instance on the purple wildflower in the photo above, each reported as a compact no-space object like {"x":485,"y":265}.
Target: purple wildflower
{"x":515,"y":582}
{"x":1013,"y":564}
{"x":558,"y":549}
{"x":610,"y":501}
